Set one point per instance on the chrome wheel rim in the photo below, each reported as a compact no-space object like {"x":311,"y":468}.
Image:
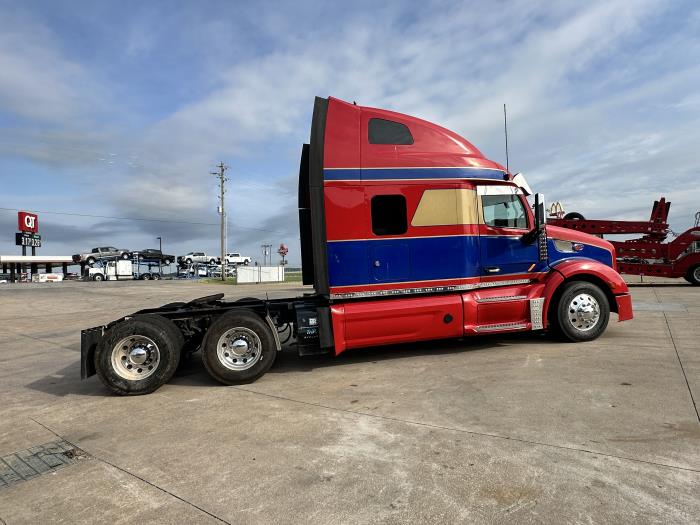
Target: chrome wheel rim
{"x":239,"y":348}
{"x":583,"y":312}
{"x":135,"y":357}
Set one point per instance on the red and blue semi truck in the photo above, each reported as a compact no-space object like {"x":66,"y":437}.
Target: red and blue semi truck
{"x":408,"y":233}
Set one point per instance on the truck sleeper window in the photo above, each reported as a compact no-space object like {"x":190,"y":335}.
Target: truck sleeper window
{"x":503,"y":211}
{"x":389,"y":215}
{"x":382,"y":131}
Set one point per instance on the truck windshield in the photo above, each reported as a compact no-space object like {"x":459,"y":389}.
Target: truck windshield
{"x":503,"y":211}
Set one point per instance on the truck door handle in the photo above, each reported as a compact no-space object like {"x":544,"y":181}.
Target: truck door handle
{"x":492,"y":269}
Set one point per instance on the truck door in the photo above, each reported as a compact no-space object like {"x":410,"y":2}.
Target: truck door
{"x":389,"y":259}
{"x":504,"y":219}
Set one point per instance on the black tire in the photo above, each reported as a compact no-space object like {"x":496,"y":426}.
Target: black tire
{"x":570,"y":327}
{"x":163,"y":332}
{"x":125,"y":255}
{"x":248,"y":300}
{"x":246,"y":263}
{"x":574,"y":216}
{"x":91,"y":260}
{"x":212,"y":261}
{"x":247,"y":321}
{"x":188,"y":261}
{"x":167,"y":262}
{"x":693,"y":275}
{"x":98,"y":277}
{"x":145,"y":277}
{"x":155,"y":276}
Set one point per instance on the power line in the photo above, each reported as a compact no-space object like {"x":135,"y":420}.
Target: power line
{"x":111,"y":217}
{"x":144,"y":219}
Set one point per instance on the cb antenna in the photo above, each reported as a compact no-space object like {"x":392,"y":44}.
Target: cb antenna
{"x":505,"y":128}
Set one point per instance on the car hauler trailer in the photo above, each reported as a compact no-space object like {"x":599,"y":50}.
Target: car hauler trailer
{"x":407,"y":233}
{"x":649,"y":254}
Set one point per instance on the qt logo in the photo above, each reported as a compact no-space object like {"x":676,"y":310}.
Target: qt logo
{"x":27,"y":222}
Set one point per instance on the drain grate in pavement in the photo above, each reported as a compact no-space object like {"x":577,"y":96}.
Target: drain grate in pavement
{"x":35,"y":461}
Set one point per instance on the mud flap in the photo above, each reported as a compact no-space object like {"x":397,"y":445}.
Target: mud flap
{"x":89,"y":339}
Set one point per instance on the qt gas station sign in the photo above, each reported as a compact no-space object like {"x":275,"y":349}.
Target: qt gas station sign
{"x":28,"y":226}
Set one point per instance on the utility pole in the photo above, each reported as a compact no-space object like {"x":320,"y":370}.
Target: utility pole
{"x":266,"y":250}
{"x":222,"y":211}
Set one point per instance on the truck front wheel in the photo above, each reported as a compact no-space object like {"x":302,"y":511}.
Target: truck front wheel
{"x":693,"y":275}
{"x":239,"y":348}
{"x":582,"y":313}
{"x":139,"y":355}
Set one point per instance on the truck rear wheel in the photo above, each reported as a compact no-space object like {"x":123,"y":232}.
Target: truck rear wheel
{"x":582,"y":313}
{"x":693,"y":275}
{"x":139,"y":355}
{"x":239,"y":348}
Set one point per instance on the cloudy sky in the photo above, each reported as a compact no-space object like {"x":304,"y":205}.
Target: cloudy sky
{"x":121,"y":109}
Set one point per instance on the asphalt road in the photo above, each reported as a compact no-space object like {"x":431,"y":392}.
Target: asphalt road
{"x":493,"y":429}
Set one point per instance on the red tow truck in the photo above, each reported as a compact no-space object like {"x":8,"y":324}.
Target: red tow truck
{"x":408,"y":233}
{"x":649,"y":254}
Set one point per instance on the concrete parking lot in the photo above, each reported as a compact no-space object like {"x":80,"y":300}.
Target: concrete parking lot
{"x":513,"y":428}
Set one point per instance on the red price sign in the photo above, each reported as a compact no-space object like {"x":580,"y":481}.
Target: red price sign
{"x":28,"y":222}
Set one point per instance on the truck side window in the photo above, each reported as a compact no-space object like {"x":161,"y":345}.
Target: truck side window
{"x":389,"y":215}
{"x":504,"y":211}
{"x":382,"y":131}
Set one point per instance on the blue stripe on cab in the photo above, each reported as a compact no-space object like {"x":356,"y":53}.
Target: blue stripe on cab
{"x":399,"y":260}
{"x":589,"y":252}
{"x":411,"y":173}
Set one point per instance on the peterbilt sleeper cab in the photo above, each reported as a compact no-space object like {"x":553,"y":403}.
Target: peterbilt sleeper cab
{"x":407,"y":233}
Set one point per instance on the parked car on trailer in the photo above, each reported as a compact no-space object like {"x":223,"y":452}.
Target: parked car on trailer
{"x":154,"y":255}
{"x":101,"y":252}
{"x":198,"y":257}
{"x":408,"y":233}
{"x":237,"y":258}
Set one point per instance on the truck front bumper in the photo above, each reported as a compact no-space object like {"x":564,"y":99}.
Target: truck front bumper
{"x":624,"y":307}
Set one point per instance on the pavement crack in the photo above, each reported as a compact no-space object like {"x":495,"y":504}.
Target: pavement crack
{"x":126,"y":471}
{"x":680,"y":362}
{"x":470,"y":432}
